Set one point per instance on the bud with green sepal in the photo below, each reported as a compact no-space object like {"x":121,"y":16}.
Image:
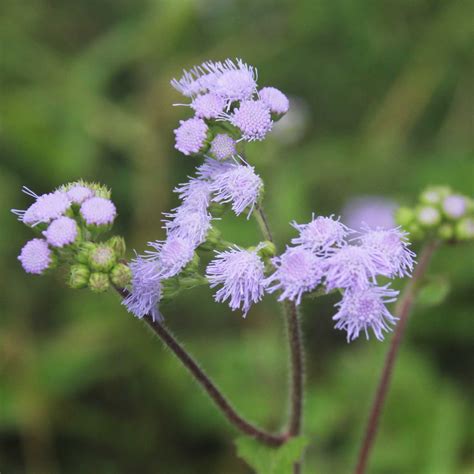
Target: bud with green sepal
{"x":99,"y":282}
{"x":79,"y":275}
{"x":117,"y":244}
{"x":121,"y":275}
{"x":434,"y":194}
{"x":84,"y":251}
{"x":266,"y":250}
{"x":102,"y":258}
{"x":405,"y":216}
{"x":465,"y":229}
{"x":428,"y":216}
{"x":446,"y":231}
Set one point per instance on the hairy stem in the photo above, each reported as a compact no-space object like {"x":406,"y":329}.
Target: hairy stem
{"x":263,"y":222}
{"x":402,"y":311}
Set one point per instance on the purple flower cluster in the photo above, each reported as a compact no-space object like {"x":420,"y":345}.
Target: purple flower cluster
{"x":324,"y":257}
{"x":53,"y":214}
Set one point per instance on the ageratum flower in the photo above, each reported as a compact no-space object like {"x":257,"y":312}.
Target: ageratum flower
{"x":240,"y":272}
{"x":298,"y":271}
{"x":35,"y":256}
{"x":190,"y":83}
{"x":79,"y":193}
{"x":321,"y":234}
{"x":190,"y":135}
{"x":188,"y":223}
{"x":365,"y":309}
{"x":239,"y":185}
{"x":393,"y":245}
{"x":372,"y":211}
{"x":196,"y":193}
{"x":98,"y":211}
{"x":62,"y":231}
{"x":208,"y":106}
{"x":252,"y":118}
{"x":210,"y":169}
{"x":276,"y":101}
{"x":145,"y":294}
{"x":223,"y":146}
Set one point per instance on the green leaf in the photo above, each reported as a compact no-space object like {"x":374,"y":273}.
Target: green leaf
{"x":267,"y":460}
{"x":433,"y":292}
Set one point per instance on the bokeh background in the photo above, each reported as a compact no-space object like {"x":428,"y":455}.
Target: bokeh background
{"x":381,"y":106}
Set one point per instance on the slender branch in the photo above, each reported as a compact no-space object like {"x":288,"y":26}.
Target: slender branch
{"x":208,"y":385}
{"x":402,"y":311}
{"x":263,"y":222}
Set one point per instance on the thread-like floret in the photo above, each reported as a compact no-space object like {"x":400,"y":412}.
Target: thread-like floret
{"x":35,"y":256}
{"x":190,"y":135}
{"x":98,"y":211}
{"x":195,"y":194}
{"x":253,"y":118}
{"x":240,"y":272}
{"x":276,"y":101}
{"x":297,"y":272}
{"x":223,"y":147}
{"x":365,"y":309}
{"x":188,"y":223}
{"x":62,"y":231}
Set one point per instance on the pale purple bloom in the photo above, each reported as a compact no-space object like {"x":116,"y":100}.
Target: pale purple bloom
{"x":195,"y":193}
{"x":371,"y":211}
{"x":232,"y":81}
{"x":253,"y":118}
{"x":455,"y":206}
{"x":223,"y":147}
{"x":35,"y":256}
{"x":190,"y":135}
{"x":276,"y":101}
{"x":321,"y":234}
{"x":78,"y":193}
{"x":239,"y":185}
{"x":172,"y":255}
{"x":354,"y":267}
{"x":62,"y":231}
{"x":189,"y":223}
{"x":46,"y":208}
{"x":210,"y":169}
{"x":208,"y":105}
{"x":98,"y":211}
{"x":241,"y":274}
{"x":189,"y":84}
{"x":145,"y":294}
{"x":393,"y":245}
{"x":365,"y":309}
{"x":298,"y":271}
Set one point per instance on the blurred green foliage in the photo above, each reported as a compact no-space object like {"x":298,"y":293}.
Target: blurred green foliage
{"x":385,"y":106}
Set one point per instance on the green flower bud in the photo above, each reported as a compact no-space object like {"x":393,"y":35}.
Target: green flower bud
{"x":102,"y":258}
{"x":99,"y":282}
{"x":170,"y":288}
{"x":121,"y":275}
{"x":213,"y":239}
{"x":465,"y":229}
{"x":191,"y":267}
{"x":428,"y":216}
{"x":434,"y":194}
{"x":404,"y":216}
{"x":117,"y":244}
{"x":267,"y":249}
{"x":100,"y":190}
{"x":446,"y":232}
{"x":85,"y":249}
{"x":78,"y":276}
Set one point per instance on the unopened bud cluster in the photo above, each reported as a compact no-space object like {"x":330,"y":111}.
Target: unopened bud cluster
{"x":69,"y":223}
{"x":441,"y":213}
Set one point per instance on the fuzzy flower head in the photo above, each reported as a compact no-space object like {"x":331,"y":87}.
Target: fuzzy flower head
{"x":172,"y":255}
{"x":62,"y":231}
{"x":321,"y":234}
{"x":455,"y":206}
{"x":223,"y":147}
{"x":190,"y":135}
{"x":210,"y":169}
{"x":35,"y":256}
{"x":79,"y":193}
{"x":98,"y":211}
{"x":145,"y":295}
{"x":195,"y":194}
{"x":190,"y":83}
{"x":208,"y":106}
{"x":354,"y":267}
{"x":234,"y":81}
{"x":189,"y":223}
{"x":429,"y":216}
{"x":240,"y":272}
{"x":365,"y":309}
{"x":275,"y":100}
{"x":253,"y":119}
{"x":373,"y":211}
{"x":297,"y":272}
{"x":393,"y":245}
{"x":240,"y":185}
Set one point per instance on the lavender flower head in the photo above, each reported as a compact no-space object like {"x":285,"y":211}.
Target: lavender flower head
{"x":223,"y":147}
{"x":275,"y":100}
{"x":208,"y":106}
{"x":321,"y":234}
{"x":253,"y":118}
{"x":195,"y":194}
{"x":297,"y":272}
{"x":62,"y":231}
{"x":241,"y":274}
{"x":35,"y":256}
{"x":79,"y":193}
{"x":98,"y":211}
{"x":190,"y":135}
{"x":189,"y":223}
{"x":190,"y":83}
{"x":365,"y":309}
{"x":455,"y":206}
{"x":172,"y":255}
{"x":393,"y":245}
{"x":145,"y":294}
{"x":239,"y":185}
{"x":372,"y":211}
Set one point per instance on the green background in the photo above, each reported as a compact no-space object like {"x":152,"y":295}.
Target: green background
{"x":383,"y":107}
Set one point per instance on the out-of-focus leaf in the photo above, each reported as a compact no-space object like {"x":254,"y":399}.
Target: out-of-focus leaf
{"x":434,"y":292}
